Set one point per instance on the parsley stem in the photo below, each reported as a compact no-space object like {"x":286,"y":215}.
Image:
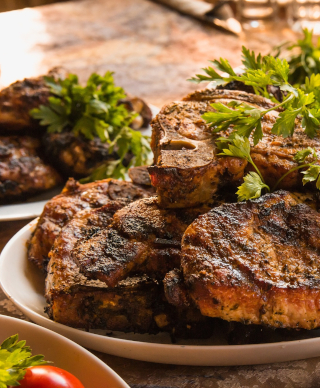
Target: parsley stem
{"x":278,"y":106}
{"x":289,"y":172}
{"x":259,"y":173}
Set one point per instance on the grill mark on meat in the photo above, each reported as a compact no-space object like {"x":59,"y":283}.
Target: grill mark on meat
{"x":74,"y":198}
{"x":142,"y":238}
{"x":262,"y":255}
{"x":136,"y":304}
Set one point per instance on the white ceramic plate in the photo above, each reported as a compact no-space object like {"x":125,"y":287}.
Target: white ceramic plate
{"x":33,"y":207}
{"x":62,"y":352}
{"x":24,"y":285}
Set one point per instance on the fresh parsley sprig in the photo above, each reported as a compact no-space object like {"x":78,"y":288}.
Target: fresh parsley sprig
{"x":260,"y":73}
{"x":93,"y":111}
{"x":254,"y":183}
{"x":15,"y":357}
{"x":239,"y":147}
{"x":304,"y":57}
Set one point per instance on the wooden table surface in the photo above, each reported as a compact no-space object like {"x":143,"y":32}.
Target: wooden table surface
{"x":153,"y":50}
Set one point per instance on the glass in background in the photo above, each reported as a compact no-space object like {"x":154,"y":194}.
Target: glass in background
{"x":304,"y":14}
{"x":257,"y":14}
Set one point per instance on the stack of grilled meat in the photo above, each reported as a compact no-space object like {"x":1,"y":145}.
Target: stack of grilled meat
{"x":123,"y":257}
{"x":32,"y":160}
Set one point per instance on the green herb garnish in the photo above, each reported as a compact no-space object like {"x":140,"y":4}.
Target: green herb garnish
{"x":304,"y":57}
{"x":243,"y":121}
{"x":239,"y":147}
{"x":15,"y":357}
{"x":94,"y":111}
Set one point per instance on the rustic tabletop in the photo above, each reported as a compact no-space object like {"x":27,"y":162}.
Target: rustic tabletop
{"x":153,"y":50}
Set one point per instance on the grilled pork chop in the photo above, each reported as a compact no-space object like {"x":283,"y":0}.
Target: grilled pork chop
{"x":142,"y":238}
{"x":22,"y":171}
{"x":135,"y":304}
{"x":256,"y":262}
{"x":187,"y":170}
{"x":75,"y":197}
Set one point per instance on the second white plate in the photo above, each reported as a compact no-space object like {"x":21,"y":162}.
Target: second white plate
{"x":24,"y":285}
{"x":62,"y":352}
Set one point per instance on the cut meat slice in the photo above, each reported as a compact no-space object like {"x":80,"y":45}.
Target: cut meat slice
{"x":256,"y":262}
{"x":187,"y":170}
{"x":75,"y":197}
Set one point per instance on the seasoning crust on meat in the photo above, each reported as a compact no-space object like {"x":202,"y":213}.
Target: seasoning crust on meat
{"x":256,"y":262}
{"x":136,"y":304}
{"x":75,"y":197}
{"x":22,"y":172}
{"x":141,"y":239}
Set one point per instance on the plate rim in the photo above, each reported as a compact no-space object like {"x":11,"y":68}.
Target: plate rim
{"x":156,"y":352}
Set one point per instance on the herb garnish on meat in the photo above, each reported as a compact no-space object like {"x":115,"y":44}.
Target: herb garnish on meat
{"x":15,"y":357}
{"x":94,"y":111}
{"x":298,"y":103}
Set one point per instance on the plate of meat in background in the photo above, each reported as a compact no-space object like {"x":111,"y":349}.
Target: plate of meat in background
{"x":34,"y":164}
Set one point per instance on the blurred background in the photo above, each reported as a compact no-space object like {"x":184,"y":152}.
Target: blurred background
{"x":9,"y":5}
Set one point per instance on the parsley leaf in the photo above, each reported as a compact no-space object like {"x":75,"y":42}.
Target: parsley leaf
{"x":301,"y":156}
{"x":312,"y":174}
{"x":285,"y":124}
{"x":240,"y":147}
{"x":15,"y":357}
{"x":250,"y":61}
{"x":251,"y":188}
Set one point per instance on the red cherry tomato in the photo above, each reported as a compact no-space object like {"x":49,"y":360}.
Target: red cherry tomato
{"x":46,"y":376}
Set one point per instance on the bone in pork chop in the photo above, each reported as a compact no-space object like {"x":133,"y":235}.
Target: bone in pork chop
{"x":135,"y":304}
{"x":75,"y":197}
{"x":256,"y":262}
{"x":187,"y":169}
{"x":22,"y":172}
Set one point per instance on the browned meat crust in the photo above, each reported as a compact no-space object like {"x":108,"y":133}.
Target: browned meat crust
{"x":256,"y":262}
{"x":135,"y":304}
{"x":22,"y":172}
{"x":142,"y":238}
{"x":140,"y":175}
{"x":19,"y":98}
{"x":75,"y":197}
{"x":74,"y":155}
{"x":187,"y":170}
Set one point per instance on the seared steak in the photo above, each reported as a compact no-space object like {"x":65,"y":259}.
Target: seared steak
{"x":135,"y":304}
{"x":75,"y":197}
{"x":187,"y":170}
{"x":22,"y":171}
{"x":256,"y":262}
